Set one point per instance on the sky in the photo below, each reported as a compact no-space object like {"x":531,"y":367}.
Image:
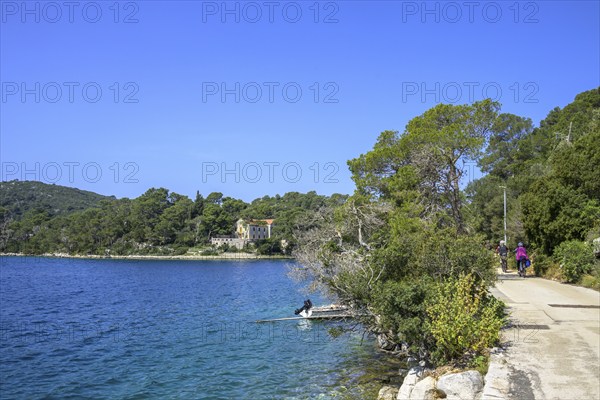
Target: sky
{"x":262,"y":98}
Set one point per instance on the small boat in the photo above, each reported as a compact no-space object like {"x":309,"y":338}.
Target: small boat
{"x":332,"y":311}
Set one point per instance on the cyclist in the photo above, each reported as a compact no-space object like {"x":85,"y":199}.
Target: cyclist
{"x":502,"y":250}
{"x":521,"y":256}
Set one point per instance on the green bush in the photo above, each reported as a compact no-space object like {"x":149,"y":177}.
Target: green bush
{"x":180,"y":250}
{"x":541,"y":264}
{"x":401,"y":310}
{"x":463,"y":318}
{"x":576,"y":259}
{"x":209,"y":252}
{"x":591,"y":281}
{"x":224,"y":247}
{"x":268,"y":247}
{"x":444,"y":254}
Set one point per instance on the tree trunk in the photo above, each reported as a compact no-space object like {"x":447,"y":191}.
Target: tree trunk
{"x":455,"y":199}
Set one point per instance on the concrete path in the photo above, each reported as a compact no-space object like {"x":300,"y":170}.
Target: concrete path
{"x":553,"y":345}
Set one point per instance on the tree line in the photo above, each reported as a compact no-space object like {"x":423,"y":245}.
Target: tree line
{"x":158,"y":222}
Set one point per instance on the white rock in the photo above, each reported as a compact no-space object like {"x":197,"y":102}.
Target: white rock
{"x":497,"y":379}
{"x":410,"y":380}
{"x":387,"y":393}
{"x":461,"y":386}
{"x":424,"y":390}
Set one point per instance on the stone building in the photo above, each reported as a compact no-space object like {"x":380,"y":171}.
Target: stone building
{"x":254,"y":229}
{"x":246,"y":231}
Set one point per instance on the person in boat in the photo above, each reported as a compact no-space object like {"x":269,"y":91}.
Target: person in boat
{"x":304,"y":309}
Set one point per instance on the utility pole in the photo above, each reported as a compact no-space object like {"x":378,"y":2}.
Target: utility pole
{"x":504,"y":187}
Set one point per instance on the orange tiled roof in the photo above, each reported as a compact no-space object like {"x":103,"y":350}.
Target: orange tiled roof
{"x":268,"y":221}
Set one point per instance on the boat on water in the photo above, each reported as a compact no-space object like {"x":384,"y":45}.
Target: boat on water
{"x":308,"y":311}
{"x":330,"y":311}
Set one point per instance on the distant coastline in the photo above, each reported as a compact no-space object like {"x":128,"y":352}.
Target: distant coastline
{"x":224,"y":256}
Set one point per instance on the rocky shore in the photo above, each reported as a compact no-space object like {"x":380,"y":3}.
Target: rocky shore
{"x":424,"y":384}
{"x":421,"y":383}
{"x":223,"y":256}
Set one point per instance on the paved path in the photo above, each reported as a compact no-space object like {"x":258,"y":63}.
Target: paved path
{"x":553,"y":348}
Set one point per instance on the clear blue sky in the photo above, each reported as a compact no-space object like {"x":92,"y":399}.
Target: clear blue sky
{"x":362,"y":67}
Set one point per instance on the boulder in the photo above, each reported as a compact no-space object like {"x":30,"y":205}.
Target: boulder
{"x":387,"y":393}
{"x":497,"y":379}
{"x":384,"y":343}
{"x":410,"y":380}
{"x":461,"y":386}
{"x":424,"y":390}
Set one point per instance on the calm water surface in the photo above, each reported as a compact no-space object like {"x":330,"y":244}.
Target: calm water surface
{"x":167,"y":329}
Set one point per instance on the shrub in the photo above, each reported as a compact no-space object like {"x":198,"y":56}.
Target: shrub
{"x":401,"y":310}
{"x":591,"y":281}
{"x":444,"y":255}
{"x":576,"y":259}
{"x":268,"y":246}
{"x":463,"y":318}
{"x":541,"y":264}
{"x":209,"y":252}
{"x":180,"y":250}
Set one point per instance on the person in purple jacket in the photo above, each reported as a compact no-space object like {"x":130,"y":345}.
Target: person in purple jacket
{"x":521,"y":256}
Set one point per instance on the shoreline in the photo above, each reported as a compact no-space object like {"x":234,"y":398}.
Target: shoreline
{"x":224,"y":256}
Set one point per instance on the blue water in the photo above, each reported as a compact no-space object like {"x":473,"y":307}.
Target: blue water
{"x":165,"y":329}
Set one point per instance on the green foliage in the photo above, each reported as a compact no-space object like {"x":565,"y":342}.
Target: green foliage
{"x":445,"y":254}
{"x":563,"y":203}
{"x":19,"y":197}
{"x":541,"y":263}
{"x":481,"y":364}
{"x":592,"y":281}
{"x":485,"y":210}
{"x":554,"y":213}
{"x":336,"y":331}
{"x":552,"y":176}
{"x":576,"y":259}
{"x":425,"y":163}
{"x":502,"y":157}
{"x":268,"y":246}
{"x":401,"y":309}
{"x":404,"y":230}
{"x":463,"y":318}
{"x":209,"y":252}
{"x":158,"y":222}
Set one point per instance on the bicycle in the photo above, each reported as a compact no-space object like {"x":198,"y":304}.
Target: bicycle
{"x":503,"y":263}
{"x":521,"y":266}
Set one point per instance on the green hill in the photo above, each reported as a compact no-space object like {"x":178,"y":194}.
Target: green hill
{"x":18,"y":197}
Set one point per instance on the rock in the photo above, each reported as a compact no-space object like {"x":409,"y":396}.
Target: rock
{"x":387,"y":393}
{"x":384,"y":343}
{"x":461,"y":386}
{"x":497,"y":379}
{"x":424,"y":390}
{"x":410,"y":380}
{"x":412,"y":362}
